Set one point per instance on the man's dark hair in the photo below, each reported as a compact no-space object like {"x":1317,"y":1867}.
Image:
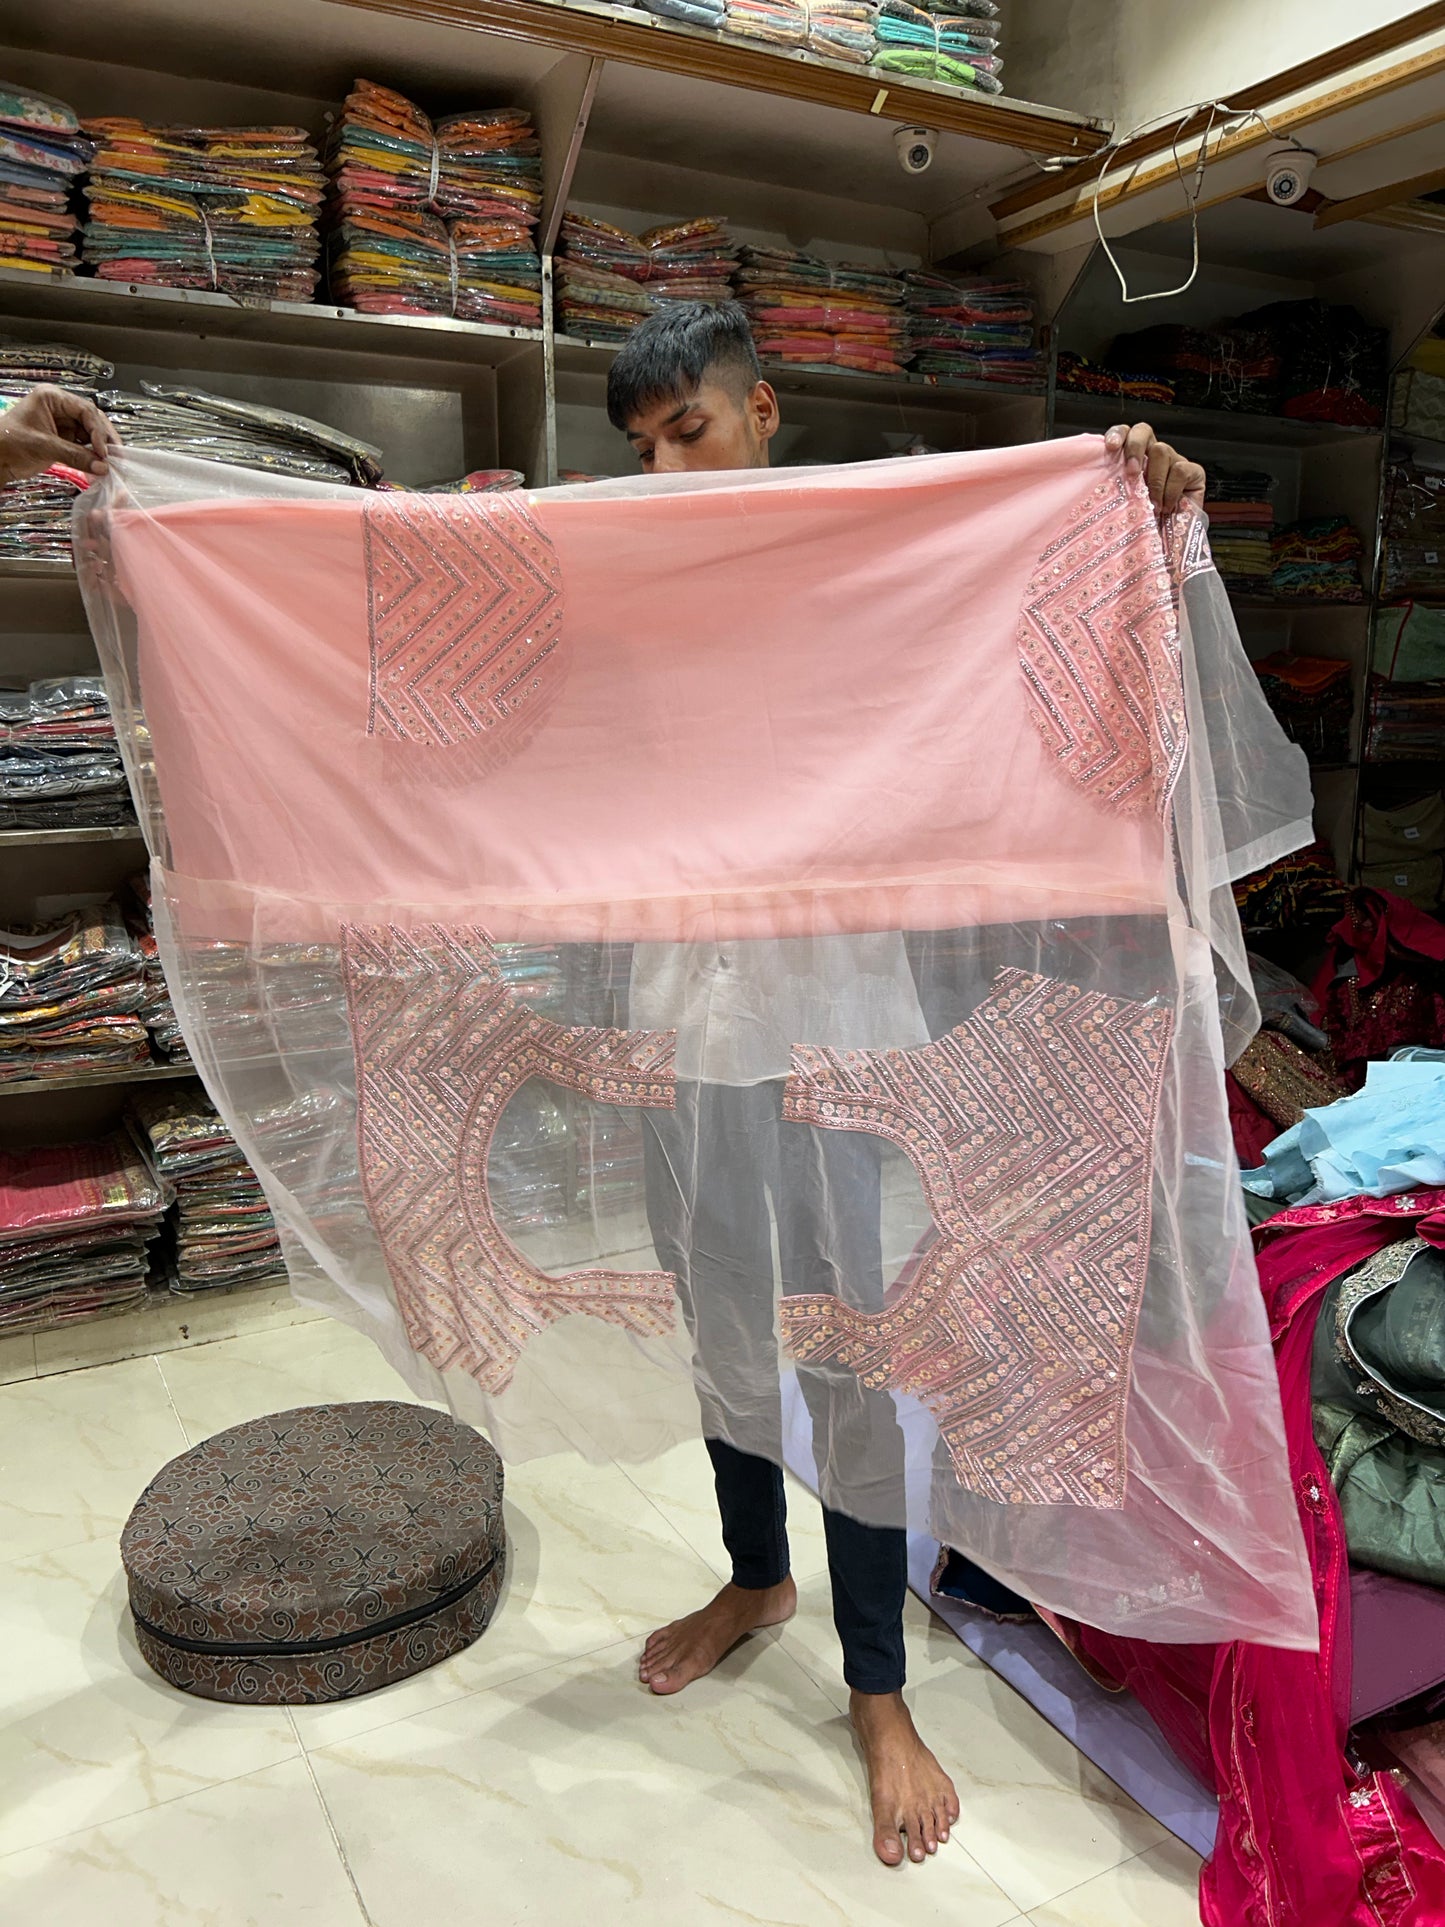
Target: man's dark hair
{"x":667,"y":357}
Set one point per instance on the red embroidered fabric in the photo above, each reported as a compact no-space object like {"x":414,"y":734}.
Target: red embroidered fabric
{"x":464,"y":599}
{"x":1099,"y":647}
{"x":1032,"y":1127}
{"x":442,"y":1046}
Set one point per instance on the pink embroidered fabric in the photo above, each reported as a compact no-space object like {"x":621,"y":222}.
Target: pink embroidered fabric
{"x":748,"y":953}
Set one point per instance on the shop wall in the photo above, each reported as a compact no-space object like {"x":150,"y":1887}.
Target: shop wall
{"x":1132,"y":59}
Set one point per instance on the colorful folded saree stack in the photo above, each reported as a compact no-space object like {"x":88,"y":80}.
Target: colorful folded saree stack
{"x":1084,"y":377}
{"x":223,"y":1233}
{"x":811,"y":313}
{"x":157,"y":1013}
{"x":42,"y":154}
{"x":232,"y":209}
{"x":971,"y":327}
{"x":1241,"y":526}
{"x":70,"y":992}
{"x":1318,"y":560}
{"x":60,"y":766}
{"x":600,"y":294}
{"x":687,"y":261}
{"x":76,"y":1223}
{"x":955,"y":43}
{"x":434,"y":218}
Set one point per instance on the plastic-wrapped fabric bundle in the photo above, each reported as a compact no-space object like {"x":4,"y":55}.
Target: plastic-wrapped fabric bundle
{"x":215,"y":428}
{"x":1408,"y":641}
{"x":971,"y":326}
{"x":70,"y":991}
{"x":76,"y":1223}
{"x":1085,"y":377}
{"x":811,"y":313}
{"x":1302,"y":891}
{"x":434,"y":219}
{"x":961,"y":49}
{"x":1332,"y":363}
{"x":60,"y":766}
{"x":35,"y":515}
{"x":694,"y":13}
{"x":224,"y":1233}
{"x":158,"y":1012}
{"x":42,"y":154}
{"x":939,"y":996}
{"x":1312,"y":697}
{"x":1413,"y":560}
{"x":227,"y":208}
{"x":687,"y":261}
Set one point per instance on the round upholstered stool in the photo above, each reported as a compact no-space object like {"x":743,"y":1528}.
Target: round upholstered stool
{"x":317,"y":1554}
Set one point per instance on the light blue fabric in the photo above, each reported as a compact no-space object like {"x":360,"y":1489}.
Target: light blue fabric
{"x":1388,"y":1137}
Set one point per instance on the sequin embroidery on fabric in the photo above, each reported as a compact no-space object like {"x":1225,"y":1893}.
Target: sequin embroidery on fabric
{"x":1099,"y":649}
{"x":442,"y":1046}
{"x":1185,"y":535}
{"x":1032,"y":1129}
{"x":464,"y":606}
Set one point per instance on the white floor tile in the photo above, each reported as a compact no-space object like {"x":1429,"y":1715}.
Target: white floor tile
{"x":1036,"y":1815}
{"x":90,"y":1732}
{"x":77,"y":1451}
{"x":215,"y":1386}
{"x":573,"y":1795}
{"x":679,"y":1483}
{"x":1158,"y":1889}
{"x":591,"y":1563}
{"x":252,"y":1853}
{"x":17,"y":1358}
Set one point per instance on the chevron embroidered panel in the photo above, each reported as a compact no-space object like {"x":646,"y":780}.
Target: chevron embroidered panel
{"x":1099,"y":648}
{"x":464,"y":598}
{"x":1031,"y":1126}
{"x":442,"y":1045}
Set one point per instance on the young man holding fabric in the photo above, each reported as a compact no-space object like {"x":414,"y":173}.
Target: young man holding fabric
{"x":687,"y":391}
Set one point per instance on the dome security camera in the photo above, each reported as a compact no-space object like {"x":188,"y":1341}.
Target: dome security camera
{"x":1287,"y":173}
{"x":916,"y":147}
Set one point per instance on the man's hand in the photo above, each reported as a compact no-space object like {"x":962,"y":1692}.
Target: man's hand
{"x":52,"y":425}
{"x":1171,"y":479}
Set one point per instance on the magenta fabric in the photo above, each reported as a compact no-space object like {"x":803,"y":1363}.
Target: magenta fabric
{"x":1306,"y":1839}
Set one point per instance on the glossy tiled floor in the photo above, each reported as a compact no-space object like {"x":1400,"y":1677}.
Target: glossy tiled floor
{"x":530,"y":1780}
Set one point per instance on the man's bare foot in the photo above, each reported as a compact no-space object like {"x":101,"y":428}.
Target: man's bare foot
{"x":678,"y":1654}
{"x":913,"y":1798}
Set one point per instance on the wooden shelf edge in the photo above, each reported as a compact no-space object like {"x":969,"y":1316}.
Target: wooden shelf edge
{"x":88,"y":1080}
{"x":671,"y":47}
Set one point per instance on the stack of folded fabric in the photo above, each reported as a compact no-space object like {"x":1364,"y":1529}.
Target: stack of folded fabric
{"x":187,"y":421}
{"x":1235,"y":365}
{"x":224,"y":1233}
{"x":971,"y":326}
{"x":1331,"y":362}
{"x":229,"y":208}
{"x":24,"y":363}
{"x":434,"y":219}
{"x":695,"y":13}
{"x":1241,"y":526}
{"x":779,"y":23}
{"x":1406,"y":721}
{"x":600,"y":295}
{"x":955,"y":41}
{"x":1413,"y":563}
{"x":480,"y":481}
{"x":1318,"y":560}
{"x":811,"y":313}
{"x":1298,"y":892}
{"x":1310,"y":696}
{"x":35,"y":515}
{"x":157,"y":1013}
{"x":42,"y":154}
{"x":60,"y":766}
{"x":76,"y":1223}
{"x":843,"y":29}
{"x":70,"y":994}
{"x":1403,"y":849}
{"x":1087,"y":377}
{"x":687,"y":261}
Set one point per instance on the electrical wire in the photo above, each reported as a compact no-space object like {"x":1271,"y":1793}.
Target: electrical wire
{"x":1191,"y":186}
